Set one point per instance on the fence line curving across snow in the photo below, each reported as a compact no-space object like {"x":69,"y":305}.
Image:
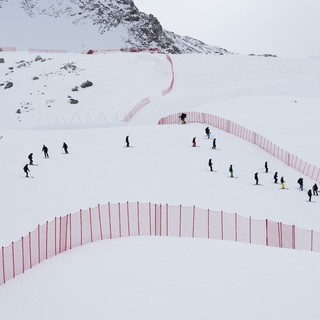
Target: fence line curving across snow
{"x":46,"y":51}
{"x":236,"y":129}
{"x":8,"y":49}
{"x":146,"y":101}
{"x":118,"y":220}
{"x":169,"y":89}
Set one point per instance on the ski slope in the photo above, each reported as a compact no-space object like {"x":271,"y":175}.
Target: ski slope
{"x":267,"y":95}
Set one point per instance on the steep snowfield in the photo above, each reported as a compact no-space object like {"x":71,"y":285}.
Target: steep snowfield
{"x":158,"y":278}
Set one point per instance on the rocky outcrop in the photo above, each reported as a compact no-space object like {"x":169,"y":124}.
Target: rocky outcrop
{"x":138,"y":30}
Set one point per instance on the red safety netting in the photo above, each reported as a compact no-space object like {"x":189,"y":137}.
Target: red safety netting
{"x":133,"y":219}
{"x":291,"y":160}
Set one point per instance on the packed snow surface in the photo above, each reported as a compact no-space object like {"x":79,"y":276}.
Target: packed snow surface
{"x":158,"y":278}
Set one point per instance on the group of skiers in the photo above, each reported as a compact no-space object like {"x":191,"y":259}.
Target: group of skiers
{"x":313,"y":192}
{"x":46,"y":155}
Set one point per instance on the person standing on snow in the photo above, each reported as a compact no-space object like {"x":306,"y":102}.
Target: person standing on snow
{"x":231,"y":171}
{"x":65,"y":148}
{"x":256,"y":178}
{"x":275,"y":177}
{"x":214,"y":143}
{"x":183,"y":118}
{"x":127,"y":142}
{"x":30,"y":157}
{"x":300,"y":182}
{"x":207,"y":130}
{"x":194,"y":143}
{"x":210,"y":164}
{"x":315,"y":189}
{"x":266,"y":166}
{"x":26,"y":170}
{"x":45,"y":151}
{"x":282,"y":183}
{"x":309,"y":195}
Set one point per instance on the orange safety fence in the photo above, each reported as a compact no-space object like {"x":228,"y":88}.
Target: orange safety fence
{"x":116,"y":220}
{"x":291,"y":160}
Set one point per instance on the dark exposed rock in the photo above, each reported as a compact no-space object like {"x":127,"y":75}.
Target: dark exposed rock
{"x":87,"y":84}
{"x":1,"y":60}
{"x":76,"y":88}
{"x":38,"y":58}
{"x":18,"y":111}
{"x":73,"y":101}
{"x":8,"y":85}
{"x":35,"y":78}
{"x":142,"y":31}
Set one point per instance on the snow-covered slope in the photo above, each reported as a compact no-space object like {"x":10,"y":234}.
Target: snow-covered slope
{"x":89,"y":24}
{"x":162,"y":167}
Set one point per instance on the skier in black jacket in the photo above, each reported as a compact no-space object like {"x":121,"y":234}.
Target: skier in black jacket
{"x":315,"y":189}
{"x":127,"y":141}
{"x":309,"y":195}
{"x":194,"y":143}
{"x":26,"y":170}
{"x":45,"y":151}
{"x":210,"y":164}
{"x":65,"y":148}
{"x":30,"y":157}
{"x":266,"y":166}
{"x":214,"y":143}
{"x":256,"y":178}
{"x":275,"y":177}
{"x":300,"y":182}
{"x":231,"y":171}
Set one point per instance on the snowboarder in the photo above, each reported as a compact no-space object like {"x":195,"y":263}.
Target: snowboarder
{"x":207,"y":130}
{"x":30,"y":157}
{"x":315,"y":189}
{"x":26,"y":170}
{"x":309,"y":195}
{"x":231,"y":171}
{"x":282,"y":183}
{"x":183,"y":118}
{"x":210,"y":164}
{"x":275,"y":177}
{"x":300,"y":182}
{"x":65,"y":148}
{"x":256,"y":178}
{"x":214,"y":143}
{"x":127,"y":142}
{"x":266,"y":166}
{"x":45,"y":151}
{"x":194,"y":143}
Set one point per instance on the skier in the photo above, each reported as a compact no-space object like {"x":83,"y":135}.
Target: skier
{"x":207,"y":130}
{"x":210,"y":164}
{"x":282,"y":183}
{"x":275,"y":177}
{"x":256,"y":178}
{"x":45,"y":151}
{"x":30,"y":159}
{"x":315,"y":189}
{"x":127,"y":141}
{"x":194,"y":144}
{"x":26,"y":170}
{"x":266,"y":166}
{"x":65,"y":147}
{"x":183,"y":118}
{"x":310,"y":195}
{"x":300,"y":182}
{"x":231,"y":171}
{"x":214,"y":143}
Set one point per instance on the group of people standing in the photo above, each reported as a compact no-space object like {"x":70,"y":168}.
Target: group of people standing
{"x":310,"y":192}
{"x":46,"y":155}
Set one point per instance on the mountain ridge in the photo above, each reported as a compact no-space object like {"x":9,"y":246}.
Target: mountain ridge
{"x":116,"y":24}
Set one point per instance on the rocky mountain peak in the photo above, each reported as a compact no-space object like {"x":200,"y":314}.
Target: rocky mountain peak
{"x":122,"y":18}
